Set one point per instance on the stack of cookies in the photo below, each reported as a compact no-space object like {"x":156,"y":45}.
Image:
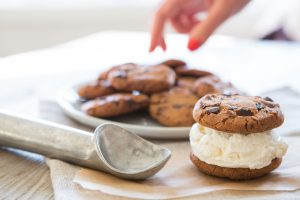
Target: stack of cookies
{"x":168,"y":91}
{"x":233,"y":136}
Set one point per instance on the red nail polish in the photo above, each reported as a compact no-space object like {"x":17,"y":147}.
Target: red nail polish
{"x":193,"y":44}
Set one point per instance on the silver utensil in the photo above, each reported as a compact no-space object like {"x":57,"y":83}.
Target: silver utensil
{"x":111,"y":148}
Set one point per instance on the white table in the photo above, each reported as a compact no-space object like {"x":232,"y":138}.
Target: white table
{"x":27,"y":78}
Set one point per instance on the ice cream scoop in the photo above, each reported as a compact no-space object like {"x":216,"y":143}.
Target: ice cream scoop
{"x":110,"y":149}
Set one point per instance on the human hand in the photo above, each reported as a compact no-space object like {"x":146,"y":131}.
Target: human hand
{"x":182,"y":16}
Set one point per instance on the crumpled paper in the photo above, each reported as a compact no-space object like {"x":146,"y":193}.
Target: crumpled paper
{"x":180,"y":178}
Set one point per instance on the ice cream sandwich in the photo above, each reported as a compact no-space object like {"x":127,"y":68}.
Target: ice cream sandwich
{"x":233,"y":136}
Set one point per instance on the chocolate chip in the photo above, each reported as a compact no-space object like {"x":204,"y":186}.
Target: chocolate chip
{"x":260,"y":106}
{"x":268,"y":99}
{"x":244,"y":112}
{"x":130,"y":103}
{"x":176,"y":106}
{"x":208,"y":97}
{"x":214,"y":110}
{"x":102,"y":98}
{"x":232,"y":108}
{"x":202,"y":105}
{"x":270,"y":105}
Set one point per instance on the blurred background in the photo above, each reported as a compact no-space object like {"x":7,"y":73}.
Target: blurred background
{"x":33,"y":24}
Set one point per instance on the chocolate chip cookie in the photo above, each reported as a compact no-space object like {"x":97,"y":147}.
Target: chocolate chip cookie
{"x":173,"y":107}
{"x":213,"y":84}
{"x":234,"y":173}
{"x":145,"y":79}
{"x":186,"y":82}
{"x":238,"y":114}
{"x":186,"y":71}
{"x":115,"y":104}
{"x":174,"y":63}
{"x":95,"y":89}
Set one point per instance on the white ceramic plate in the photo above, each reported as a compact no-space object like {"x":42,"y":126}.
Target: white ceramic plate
{"x":137,"y":122}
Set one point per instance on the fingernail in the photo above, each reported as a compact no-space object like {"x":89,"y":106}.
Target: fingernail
{"x":150,"y":49}
{"x":193,"y":44}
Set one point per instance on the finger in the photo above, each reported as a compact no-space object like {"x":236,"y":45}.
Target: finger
{"x":162,"y":44}
{"x":184,"y":24}
{"x":165,"y":12}
{"x":159,"y":22}
{"x":178,"y":24}
{"x":208,"y":3}
{"x":218,"y":13}
{"x":179,"y":27}
{"x":157,"y":29}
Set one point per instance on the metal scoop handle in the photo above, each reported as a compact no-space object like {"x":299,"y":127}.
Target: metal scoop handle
{"x":49,"y":139}
{"x":110,"y":149}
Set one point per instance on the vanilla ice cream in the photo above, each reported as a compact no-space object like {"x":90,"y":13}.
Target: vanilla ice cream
{"x":233,"y":150}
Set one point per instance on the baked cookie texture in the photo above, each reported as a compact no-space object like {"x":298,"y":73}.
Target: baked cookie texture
{"x":122,"y":67}
{"x":145,"y":79}
{"x":173,"y":107}
{"x":234,"y":173}
{"x":157,"y":79}
{"x":186,"y":82}
{"x":238,"y":114}
{"x":95,"y":89}
{"x":115,"y":104}
{"x":211,"y":85}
